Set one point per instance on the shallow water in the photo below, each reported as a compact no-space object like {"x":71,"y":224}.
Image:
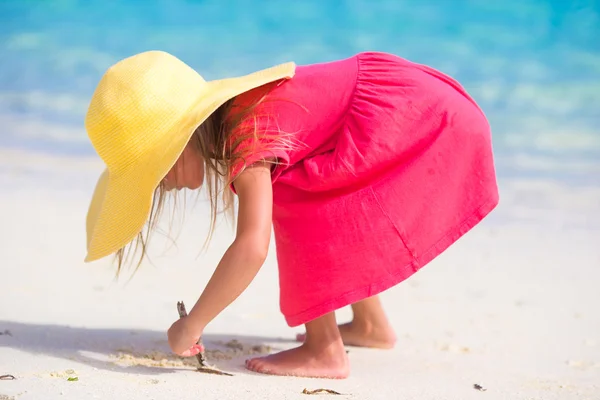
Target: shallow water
{"x":534,"y":65}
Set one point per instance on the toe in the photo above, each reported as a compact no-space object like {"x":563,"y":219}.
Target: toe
{"x":258,"y":365}
{"x":300,"y":337}
{"x":253,"y":364}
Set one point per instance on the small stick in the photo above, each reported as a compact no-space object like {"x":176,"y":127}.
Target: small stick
{"x":317,"y":391}
{"x":203,"y":367}
{"x":183,"y":313}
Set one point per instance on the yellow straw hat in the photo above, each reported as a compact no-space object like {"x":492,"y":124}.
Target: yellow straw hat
{"x":141,"y":116}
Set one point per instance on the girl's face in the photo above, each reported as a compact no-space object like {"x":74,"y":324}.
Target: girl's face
{"x":188,"y":171}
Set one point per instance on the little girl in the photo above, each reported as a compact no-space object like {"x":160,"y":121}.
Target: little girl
{"x":367,"y":168}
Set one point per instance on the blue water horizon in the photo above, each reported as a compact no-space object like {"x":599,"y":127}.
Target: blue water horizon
{"x":533,"y":66}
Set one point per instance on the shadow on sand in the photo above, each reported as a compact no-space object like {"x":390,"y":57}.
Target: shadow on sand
{"x":98,"y":347}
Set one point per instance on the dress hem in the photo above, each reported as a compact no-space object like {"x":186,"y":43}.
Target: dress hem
{"x":404,"y":273}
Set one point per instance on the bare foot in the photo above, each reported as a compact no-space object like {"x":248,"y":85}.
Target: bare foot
{"x":364,"y":335}
{"x":322,"y":355}
{"x":305,"y":361}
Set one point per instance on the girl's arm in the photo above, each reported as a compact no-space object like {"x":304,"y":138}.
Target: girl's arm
{"x":243,"y":259}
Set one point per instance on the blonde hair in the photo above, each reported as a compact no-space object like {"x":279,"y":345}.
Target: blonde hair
{"x":222,"y":140}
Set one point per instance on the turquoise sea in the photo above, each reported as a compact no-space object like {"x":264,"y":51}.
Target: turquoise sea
{"x":533,"y":65}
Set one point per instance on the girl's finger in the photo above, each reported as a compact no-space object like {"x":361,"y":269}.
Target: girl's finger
{"x":199,"y":347}
{"x":189,"y":353}
{"x":192,"y":351}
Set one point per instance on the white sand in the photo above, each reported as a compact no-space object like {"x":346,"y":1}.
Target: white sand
{"x":513,"y":306}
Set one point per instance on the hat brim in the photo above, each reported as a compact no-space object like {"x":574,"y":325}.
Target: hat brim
{"x":122,"y":201}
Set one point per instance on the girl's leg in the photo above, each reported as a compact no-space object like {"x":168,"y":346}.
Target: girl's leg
{"x":369,"y":327}
{"x":322,"y":355}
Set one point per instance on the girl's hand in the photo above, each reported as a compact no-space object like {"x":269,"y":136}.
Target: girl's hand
{"x":239,"y":264}
{"x":183,"y":339}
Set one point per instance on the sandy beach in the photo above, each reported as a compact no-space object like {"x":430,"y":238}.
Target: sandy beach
{"x":512,"y":307}
{"x":510,"y":312}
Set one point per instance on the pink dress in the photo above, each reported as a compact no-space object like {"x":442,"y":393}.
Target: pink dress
{"x":395,"y":165}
